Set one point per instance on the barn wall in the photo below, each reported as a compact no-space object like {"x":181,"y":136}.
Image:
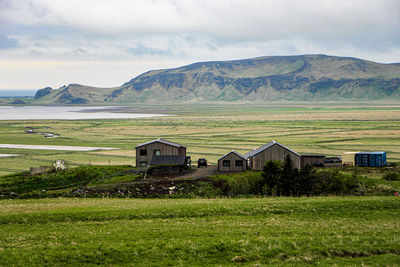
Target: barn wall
{"x":232,"y":157}
{"x":311,"y":161}
{"x":274,"y":152}
{"x":164,"y":149}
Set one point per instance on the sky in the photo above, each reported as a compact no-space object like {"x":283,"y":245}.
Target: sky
{"x":105,"y":43}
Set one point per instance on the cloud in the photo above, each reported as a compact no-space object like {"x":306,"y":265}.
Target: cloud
{"x":176,"y":31}
{"x":141,"y":50}
{"x":7,"y":42}
{"x":231,"y":20}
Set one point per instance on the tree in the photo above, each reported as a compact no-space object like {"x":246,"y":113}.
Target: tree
{"x":288,"y":178}
{"x":272,"y":172}
{"x":305,"y":180}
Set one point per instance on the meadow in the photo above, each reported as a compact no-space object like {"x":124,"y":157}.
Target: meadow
{"x":211,"y":131}
{"x":319,"y":231}
{"x":256,"y":231}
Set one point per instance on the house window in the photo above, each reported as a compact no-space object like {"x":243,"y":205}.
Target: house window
{"x":226,"y":163}
{"x":143,"y":152}
{"x":143,"y":164}
{"x":157,"y":152}
{"x":239,"y":163}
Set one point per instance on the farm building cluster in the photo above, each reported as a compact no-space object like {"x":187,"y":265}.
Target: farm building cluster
{"x":164,"y":152}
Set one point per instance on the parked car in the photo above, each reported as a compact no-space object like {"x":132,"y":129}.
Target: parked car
{"x":202,"y":162}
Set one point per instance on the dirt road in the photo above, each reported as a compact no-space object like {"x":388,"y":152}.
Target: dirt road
{"x":200,"y":172}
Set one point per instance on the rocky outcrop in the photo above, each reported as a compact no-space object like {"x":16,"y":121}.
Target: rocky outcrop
{"x":43,"y":92}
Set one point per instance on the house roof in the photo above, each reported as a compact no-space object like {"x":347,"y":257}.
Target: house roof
{"x":168,"y":159}
{"x":254,"y":152}
{"x":161,"y":141}
{"x":234,"y":152}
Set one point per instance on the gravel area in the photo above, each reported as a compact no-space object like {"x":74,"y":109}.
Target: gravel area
{"x":64,"y":148}
{"x":8,"y":155}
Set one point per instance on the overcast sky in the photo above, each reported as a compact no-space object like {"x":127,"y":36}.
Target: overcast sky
{"x":108,"y":42}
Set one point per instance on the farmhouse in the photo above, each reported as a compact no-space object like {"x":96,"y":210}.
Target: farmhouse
{"x":232,"y":162}
{"x":271,"y":151}
{"x":146,"y":151}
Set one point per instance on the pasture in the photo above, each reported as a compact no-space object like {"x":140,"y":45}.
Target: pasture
{"x":341,"y":231}
{"x":210,"y":131}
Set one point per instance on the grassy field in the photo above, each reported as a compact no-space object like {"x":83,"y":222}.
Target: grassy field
{"x":211,"y":131}
{"x":341,"y":231}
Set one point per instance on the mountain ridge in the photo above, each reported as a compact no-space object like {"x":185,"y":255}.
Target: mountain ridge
{"x":261,"y":79}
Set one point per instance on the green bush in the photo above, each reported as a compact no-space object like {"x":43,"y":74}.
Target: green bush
{"x":392,"y":176}
{"x":244,"y":183}
{"x":284,"y":179}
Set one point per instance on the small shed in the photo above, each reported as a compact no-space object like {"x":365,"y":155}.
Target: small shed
{"x":271,"y":151}
{"x":333,"y":162}
{"x":370,"y":159}
{"x":312,"y":160}
{"x":377,"y":159}
{"x":232,"y":162}
{"x":145,"y":152}
{"x":349,"y":158}
{"x":362,"y":159}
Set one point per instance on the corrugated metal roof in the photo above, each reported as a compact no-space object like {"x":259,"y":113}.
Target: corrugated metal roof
{"x":234,"y":152}
{"x":161,"y":141}
{"x":168,"y":159}
{"x":264,"y":147}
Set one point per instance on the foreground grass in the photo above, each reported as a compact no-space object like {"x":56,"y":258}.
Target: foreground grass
{"x":143,"y":232}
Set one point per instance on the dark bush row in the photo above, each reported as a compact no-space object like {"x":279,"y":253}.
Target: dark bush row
{"x":284,"y":179}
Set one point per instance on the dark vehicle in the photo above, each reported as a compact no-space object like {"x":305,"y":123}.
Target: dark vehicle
{"x":202,"y":162}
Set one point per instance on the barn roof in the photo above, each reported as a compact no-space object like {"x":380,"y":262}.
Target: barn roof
{"x":168,"y":159}
{"x":254,"y":152}
{"x":161,"y":141}
{"x":234,"y":152}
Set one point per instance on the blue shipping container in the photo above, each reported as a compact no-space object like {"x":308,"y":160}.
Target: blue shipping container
{"x":377,"y":159}
{"x":362,"y":159}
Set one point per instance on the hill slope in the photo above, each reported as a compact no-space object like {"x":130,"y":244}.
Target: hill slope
{"x":307,"y":77}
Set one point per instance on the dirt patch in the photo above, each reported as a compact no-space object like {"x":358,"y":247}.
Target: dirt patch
{"x":64,"y":148}
{"x":201,"y":172}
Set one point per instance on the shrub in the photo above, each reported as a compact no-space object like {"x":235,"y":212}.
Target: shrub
{"x":286,"y":180}
{"x":244,"y":183}
{"x":392,"y":176}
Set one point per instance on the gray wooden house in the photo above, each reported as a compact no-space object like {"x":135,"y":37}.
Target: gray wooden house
{"x":146,"y":151}
{"x":232,"y":162}
{"x":271,"y":151}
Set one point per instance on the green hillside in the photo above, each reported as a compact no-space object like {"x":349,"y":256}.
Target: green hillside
{"x":293,"y":78}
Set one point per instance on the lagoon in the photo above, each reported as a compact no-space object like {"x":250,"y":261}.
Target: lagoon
{"x":67,"y":113}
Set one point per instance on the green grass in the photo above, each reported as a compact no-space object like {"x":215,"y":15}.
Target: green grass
{"x":266,"y":231}
{"x":75,"y":177}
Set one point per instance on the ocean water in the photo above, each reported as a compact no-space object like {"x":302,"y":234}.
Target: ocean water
{"x":66,"y":113}
{"x":17,"y":93}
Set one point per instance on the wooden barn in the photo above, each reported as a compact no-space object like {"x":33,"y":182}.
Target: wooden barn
{"x":271,"y":151}
{"x":232,"y":162}
{"x":312,"y":160}
{"x":146,"y":151}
